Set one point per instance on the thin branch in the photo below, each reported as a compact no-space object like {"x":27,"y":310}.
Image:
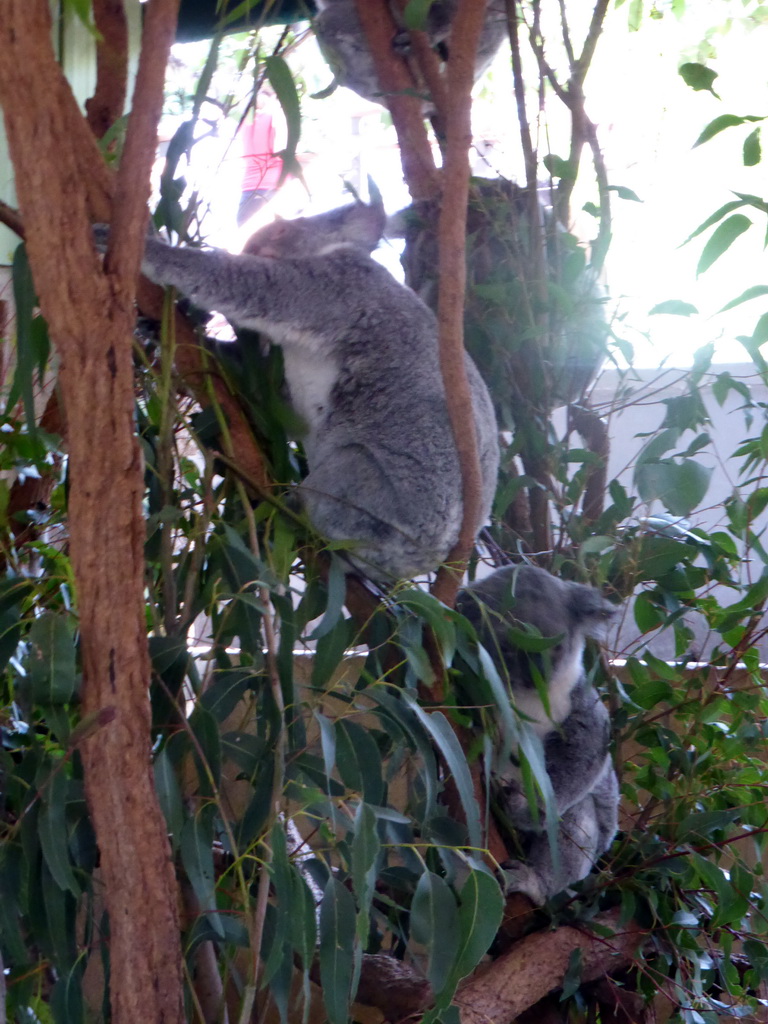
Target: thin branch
{"x":399,"y":91}
{"x":526,"y":141}
{"x":132,"y":185}
{"x":595,"y":29}
{"x":12,"y":219}
{"x":107,"y":103}
{"x":452,"y":237}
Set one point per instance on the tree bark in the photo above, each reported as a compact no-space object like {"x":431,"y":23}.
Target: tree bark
{"x":107,"y":102}
{"x":90,"y":315}
{"x":537,"y":965}
{"x":452,"y":238}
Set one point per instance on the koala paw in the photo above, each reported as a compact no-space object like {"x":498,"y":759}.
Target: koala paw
{"x":519,"y":877}
{"x":101,"y":236}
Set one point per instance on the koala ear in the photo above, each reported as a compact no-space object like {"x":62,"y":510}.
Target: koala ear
{"x":589,"y":609}
{"x":364,"y":225}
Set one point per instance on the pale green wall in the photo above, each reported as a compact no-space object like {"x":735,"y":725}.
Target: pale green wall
{"x":75,"y":48}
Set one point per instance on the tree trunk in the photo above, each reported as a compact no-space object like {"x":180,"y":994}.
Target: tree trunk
{"x":90,"y":315}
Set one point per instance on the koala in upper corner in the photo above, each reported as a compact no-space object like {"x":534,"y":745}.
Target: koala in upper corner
{"x":342,"y":41}
{"x":361,"y":365}
{"x":574,"y":730}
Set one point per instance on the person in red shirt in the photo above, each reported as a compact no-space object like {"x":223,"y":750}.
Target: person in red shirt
{"x":261,"y":168}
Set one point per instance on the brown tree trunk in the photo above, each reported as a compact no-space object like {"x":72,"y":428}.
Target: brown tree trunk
{"x":90,"y":315}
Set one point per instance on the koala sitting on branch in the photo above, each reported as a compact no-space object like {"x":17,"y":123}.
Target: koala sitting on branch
{"x":361,"y":364}
{"x":574,"y":728}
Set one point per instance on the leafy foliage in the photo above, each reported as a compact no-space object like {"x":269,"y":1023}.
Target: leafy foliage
{"x":319,"y":803}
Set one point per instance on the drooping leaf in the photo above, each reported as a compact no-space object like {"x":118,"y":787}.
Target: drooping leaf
{"x":281,"y":80}
{"x":336,"y":950}
{"x":169,"y":795}
{"x":722,"y":238}
{"x":434,"y":924}
{"x":481,"y":905}
{"x":755,"y":292}
{"x":53,"y":832}
{"x":359,"y":761}
{"x":752,"y":152}
{"x":720,"y":124}
{"x":197,"y":857}
{"x":443,"y":735}
{"x":52,"y":674}
{"x":366,"y":847}
{"x":337,"y":592}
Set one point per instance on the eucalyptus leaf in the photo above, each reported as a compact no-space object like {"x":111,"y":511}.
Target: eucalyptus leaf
{"x":336,"y":949}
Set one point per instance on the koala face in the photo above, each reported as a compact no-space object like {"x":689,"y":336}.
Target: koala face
{"x":358,"y":225}
{"x":520,"y":596}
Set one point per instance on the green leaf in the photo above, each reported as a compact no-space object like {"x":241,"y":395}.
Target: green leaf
{"x":680,"y":487}
{"x":437,"y":616}
{"x":435,"y":925}
{"x":572,"y":977}
{"x":273,"y":953}
{"x":82,"y":9}
{"x":169,"y":795}
{"x":206,"y":749}
{"x":54,"y":836}
{"x":755,"y":292}
{"x":720,"y":124}
{"x":752,"y":152}
{"x":281,"y":80}
{"x":364,"y":854}
{"x":330,"y":651}
{"x":336,"y":949}
{"x":481,"y":906}
{"x":647,"y":615}
{"x":698,"y":77}
{"x":734,"y":204}
{"x":625,"y":193}
{"x":674,"y":307}
{"x":52,"y":674}
{"x":560,"y":168}
{"x":415,"y":14}
{"x":25,"y":300}
{"x":327,"y":741}
{"x":438,"y":728}
{"x":359,"y":761}
{"x":337,"y":592}
{"x":722,"y":238}
{"x":197,"y":857}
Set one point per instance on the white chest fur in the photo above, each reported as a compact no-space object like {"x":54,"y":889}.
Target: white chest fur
{"x":311,"y":374}
{"x":559,"y":688}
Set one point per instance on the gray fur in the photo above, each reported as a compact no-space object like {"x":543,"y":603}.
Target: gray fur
{"x":361,"y":364}
{"x":575,"y":733}
{"x":343,"y":44}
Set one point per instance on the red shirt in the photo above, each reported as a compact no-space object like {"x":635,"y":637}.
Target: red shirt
{"x":261,"y":168}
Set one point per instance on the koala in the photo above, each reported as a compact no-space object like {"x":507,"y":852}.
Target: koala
{"x":574,"y":729}
{"x":343,"y":44}
{"x":361,"y":367}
